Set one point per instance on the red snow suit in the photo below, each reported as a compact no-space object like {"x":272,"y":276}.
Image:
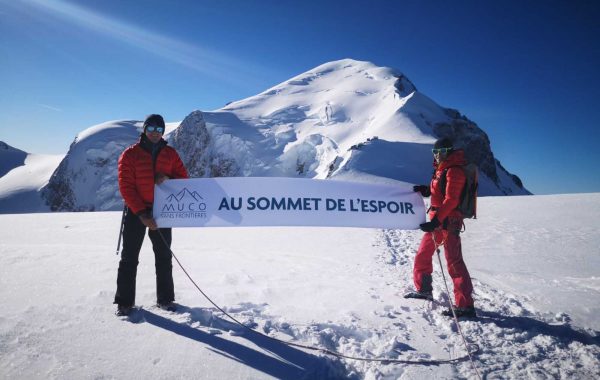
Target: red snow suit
{"x":443,"y":207}
{"x":136,"y":173}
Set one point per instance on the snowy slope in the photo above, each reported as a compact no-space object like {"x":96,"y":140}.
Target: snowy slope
{"x":534,"y":260}
{"x":86,"y":179}
{"x":21,"y":184}
{"x":345,"y":119}
{"x":313,"y":124}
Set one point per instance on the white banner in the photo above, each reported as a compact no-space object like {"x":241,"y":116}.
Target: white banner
{"x":276,"y":201}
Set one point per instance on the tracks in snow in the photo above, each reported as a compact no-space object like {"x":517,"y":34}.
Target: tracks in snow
{"x":515,"y":341}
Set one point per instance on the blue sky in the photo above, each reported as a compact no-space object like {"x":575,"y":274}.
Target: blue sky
{"x":525,"y":71}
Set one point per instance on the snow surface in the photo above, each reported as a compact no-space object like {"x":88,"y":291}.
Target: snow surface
{"x":315,"y":117}
{"x":19,"y":187}
{"x":534,"y":261}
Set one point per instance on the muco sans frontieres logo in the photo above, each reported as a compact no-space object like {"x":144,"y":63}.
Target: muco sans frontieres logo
{"x":185,"y":204}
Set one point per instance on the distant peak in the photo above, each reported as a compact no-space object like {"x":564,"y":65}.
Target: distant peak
{"x":5,"y":146}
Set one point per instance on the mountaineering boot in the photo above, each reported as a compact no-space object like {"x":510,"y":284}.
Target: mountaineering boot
{"x":419,"y":295}
{"x":461,"y":312}
{"x":168,"y":306}
{"x":123,"y":310}
{"x":426,"y":292}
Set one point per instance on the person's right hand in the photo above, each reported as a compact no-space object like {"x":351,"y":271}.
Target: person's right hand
{"x":148,"y":221}
{"x":423,"y":189}
{"x":159,"y":178}
{"x":430,"y":226}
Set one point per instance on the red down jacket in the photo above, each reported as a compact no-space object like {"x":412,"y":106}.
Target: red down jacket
{"x":136,"y":174}
{"x":442,"y":205}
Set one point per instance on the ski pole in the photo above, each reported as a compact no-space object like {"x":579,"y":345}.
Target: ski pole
{"x":121,"y":228}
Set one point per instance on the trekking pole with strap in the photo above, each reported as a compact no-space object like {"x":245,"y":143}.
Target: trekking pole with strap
{"x":121,"y":228}
{"x":468,"y":345}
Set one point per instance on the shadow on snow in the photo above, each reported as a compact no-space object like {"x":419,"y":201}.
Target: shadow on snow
{"x":279,"y":360}
{"x":565,"y":333}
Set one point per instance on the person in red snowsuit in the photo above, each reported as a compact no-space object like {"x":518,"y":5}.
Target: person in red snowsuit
{"x":142,"y":165}
{"x":444,"y":229}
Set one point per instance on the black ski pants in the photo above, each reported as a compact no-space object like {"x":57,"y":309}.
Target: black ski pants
{"x":133,"y":236}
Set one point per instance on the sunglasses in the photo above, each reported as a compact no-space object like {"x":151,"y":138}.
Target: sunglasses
{"x":441,"y":150}
{"x":152,"y":128}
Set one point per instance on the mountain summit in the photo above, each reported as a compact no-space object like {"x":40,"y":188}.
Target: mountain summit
{"x":345,"y":119}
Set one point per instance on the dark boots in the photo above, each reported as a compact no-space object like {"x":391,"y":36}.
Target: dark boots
{"x":419,"y":295}
{"x":426,"y":291}
{"x":461,"y":312}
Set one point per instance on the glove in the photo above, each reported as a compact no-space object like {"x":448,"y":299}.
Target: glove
{"x":430,"y":226}
{"x":160,"y":178}
{"x":423,"y":189}
{"x":148,"y":220}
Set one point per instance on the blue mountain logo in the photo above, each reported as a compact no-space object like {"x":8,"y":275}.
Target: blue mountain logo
{"x":184,"y":204}
{"x":185,"y":196}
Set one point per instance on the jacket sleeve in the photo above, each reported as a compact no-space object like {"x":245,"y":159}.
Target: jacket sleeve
{"x":178,"y":167}
{"x":127,"y":183}
{"x":455,"y":182}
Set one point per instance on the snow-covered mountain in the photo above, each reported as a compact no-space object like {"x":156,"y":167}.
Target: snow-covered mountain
{"x":10,"y":158}
{"x":22,"y":176}
{"x":346,"y":119}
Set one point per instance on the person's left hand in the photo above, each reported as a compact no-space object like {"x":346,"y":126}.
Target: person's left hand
{"x":160,"y":178}
{"x":148,"y":221}
{"x":430,"y":226}
{"x":423,"y":189}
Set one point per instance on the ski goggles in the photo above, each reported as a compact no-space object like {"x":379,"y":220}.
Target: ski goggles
{"x":152,"y":128}
{"x":441,"y":150}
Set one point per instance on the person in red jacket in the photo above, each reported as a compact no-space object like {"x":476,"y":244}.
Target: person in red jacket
{"x":150,"y":161}
{"x":444,"y":229}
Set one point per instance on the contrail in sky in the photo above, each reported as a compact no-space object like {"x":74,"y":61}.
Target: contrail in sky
{"x":203,"y":60}
{"x":49,"y":107}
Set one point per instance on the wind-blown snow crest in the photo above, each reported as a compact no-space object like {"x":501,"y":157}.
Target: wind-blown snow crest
{"x":22,"y":176}
{"x":86,"y":179}
{"x":20,"y":189}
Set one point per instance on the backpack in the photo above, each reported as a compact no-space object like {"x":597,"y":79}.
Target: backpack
{"x":468,"y":198}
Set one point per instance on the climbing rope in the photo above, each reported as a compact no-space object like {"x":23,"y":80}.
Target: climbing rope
{"x":312,"y":348}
